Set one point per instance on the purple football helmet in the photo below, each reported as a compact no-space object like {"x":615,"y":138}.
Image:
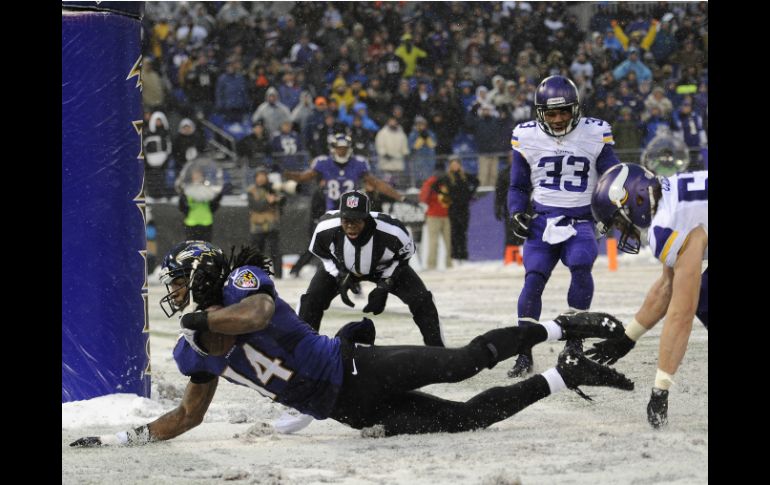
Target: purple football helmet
{"x":556,"y":92}
{"x":626,"y":198}
{"x":340,"y":140}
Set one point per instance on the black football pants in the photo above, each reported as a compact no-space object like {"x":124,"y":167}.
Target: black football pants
{"x":380,"y":382}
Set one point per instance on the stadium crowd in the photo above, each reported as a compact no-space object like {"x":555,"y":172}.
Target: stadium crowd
{"x":417,"y":81}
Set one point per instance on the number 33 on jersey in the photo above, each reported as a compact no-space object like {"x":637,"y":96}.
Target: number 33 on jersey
{"x":564,"y":170}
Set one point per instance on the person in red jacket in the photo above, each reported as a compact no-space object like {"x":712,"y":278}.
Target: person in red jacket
{"x":437,"y":215}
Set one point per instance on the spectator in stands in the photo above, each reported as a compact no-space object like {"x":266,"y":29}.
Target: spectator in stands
{"x":231,"y":99}
{"x":689,"y":56}
{"x":265,"y":219}
{"x":393,"y":66}
{"x":362,"y":138}
{"x":633,"y":63}
{"x":187,"y":144}
{"x":461,"y":187}
{"x":525,"y":68}
{"x":156,"y":140}
{"x":199,"y":214}
{"x":357,"y":44}
{"x":254,"y":148}
{"x":301,"y":113}
{"x":628,"y":134}
{"x":653,"y":125}
{"x":284,"y":148}
{"x":657,"y":99}
{"x":392,"y":147}
{"x":688,"y":126}
{"x":487,"y":128}
{"x":422,"y":146}
{"x":436,"y":197}
{"x":581,"y":66}
{"x":665,"y":43}
{"x":410,"y":54}
{"x":153,"y":90}
{"x":288,"y":91}
{"x":272,"y":113}
{"x":378,"y":101}
{"x":200,"y":84}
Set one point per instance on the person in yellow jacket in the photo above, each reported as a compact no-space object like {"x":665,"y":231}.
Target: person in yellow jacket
{"x":199,"y":214}
{"x":410,"y":54}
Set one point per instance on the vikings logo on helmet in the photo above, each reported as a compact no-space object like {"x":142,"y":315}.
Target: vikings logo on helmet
{"x":626,"y":199}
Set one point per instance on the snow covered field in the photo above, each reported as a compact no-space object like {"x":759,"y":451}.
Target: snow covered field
{"x":561,"y":439}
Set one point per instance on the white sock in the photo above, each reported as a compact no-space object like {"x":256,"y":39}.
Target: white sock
{"x":553,"y":329}
{"x":663,"y":380}
{"x":555,"y":382}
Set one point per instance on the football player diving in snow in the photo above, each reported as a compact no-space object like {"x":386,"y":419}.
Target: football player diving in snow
{"x":243,"y":332}
{"x":675,"y":212}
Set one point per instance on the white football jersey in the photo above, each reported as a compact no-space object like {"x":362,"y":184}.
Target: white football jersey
{"x":563,"y":169}
{"x":683,"y":207}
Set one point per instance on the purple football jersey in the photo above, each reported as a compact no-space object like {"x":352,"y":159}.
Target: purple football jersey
{"x":288,"y":361}
{"x":339,"y":178}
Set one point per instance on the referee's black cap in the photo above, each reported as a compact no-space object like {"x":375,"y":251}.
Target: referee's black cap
{"x":354,"y":205}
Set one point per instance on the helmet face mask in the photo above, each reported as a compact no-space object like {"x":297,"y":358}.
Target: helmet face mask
{"x":626,"y":199}
{"x":557,"y":93}
{"x":204,"y":269}
{"x":338,"y":141}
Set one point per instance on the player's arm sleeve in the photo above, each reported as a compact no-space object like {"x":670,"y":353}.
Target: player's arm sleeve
{"x":606,"y":159}
{"x":520,"y":185}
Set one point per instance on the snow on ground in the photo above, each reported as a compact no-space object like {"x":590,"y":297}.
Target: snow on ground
{"x":561,"y":439}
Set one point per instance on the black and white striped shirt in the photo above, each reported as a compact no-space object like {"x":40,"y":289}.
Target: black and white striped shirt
{"x":389,"y":246}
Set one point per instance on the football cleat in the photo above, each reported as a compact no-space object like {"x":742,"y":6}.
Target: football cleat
{"x":522,"y":366}
{"x":657,"y":408}
{"x":589,"y":324}
{"x":577,"y":370}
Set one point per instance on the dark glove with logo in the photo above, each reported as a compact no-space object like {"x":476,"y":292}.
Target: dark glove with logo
{"x":345,"y":282}
{"x":520,"y":224}
{"x":379,"y":296}
{"x":610,"y":350}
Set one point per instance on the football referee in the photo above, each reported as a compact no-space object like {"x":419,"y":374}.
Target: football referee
{"x":354,"y":245}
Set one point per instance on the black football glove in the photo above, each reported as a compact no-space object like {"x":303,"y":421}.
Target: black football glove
{"x":520,"y":224}
{"x":346,"y":282}
{"x":610,"y":350}
{"x":379,"y":296}
{"x":377,"y":299}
